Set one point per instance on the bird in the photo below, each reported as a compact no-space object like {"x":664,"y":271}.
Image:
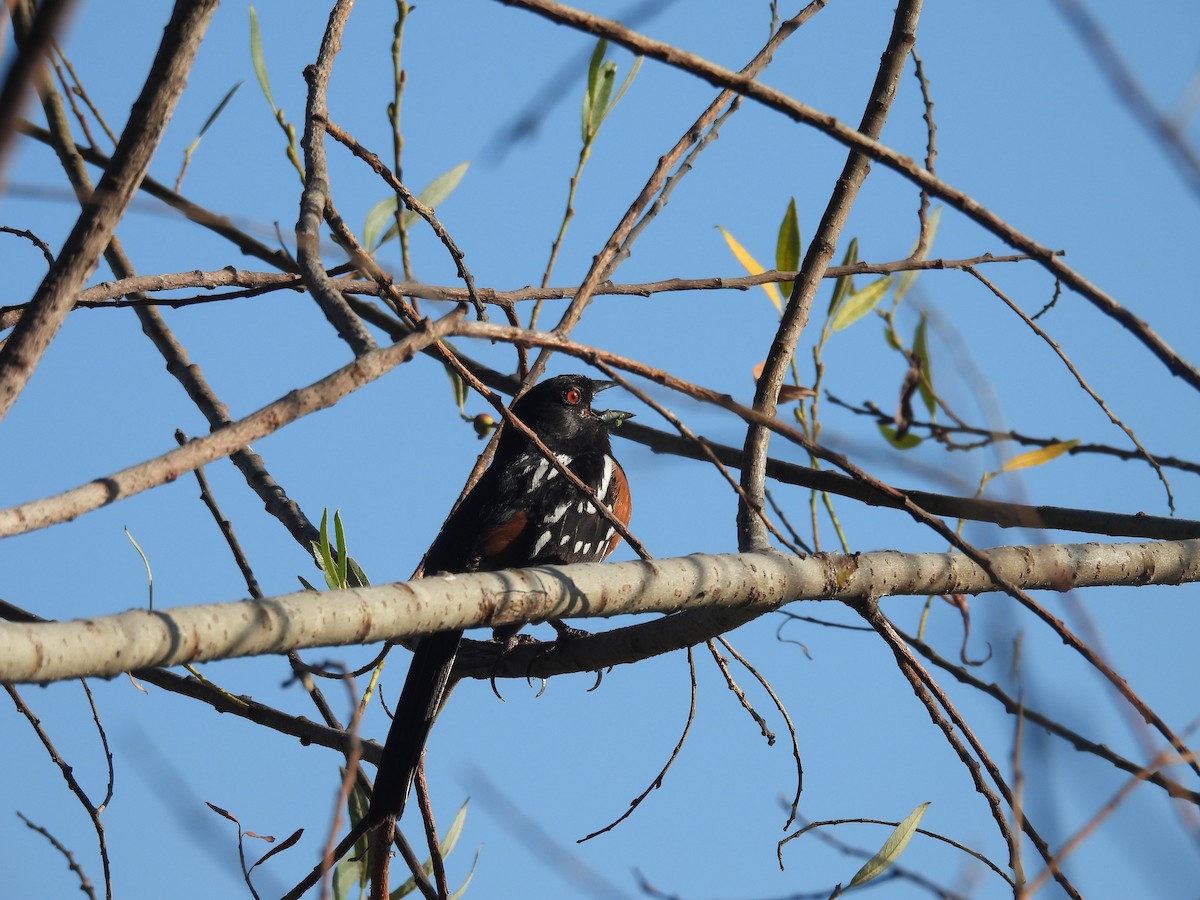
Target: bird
{"x":521,"y":512}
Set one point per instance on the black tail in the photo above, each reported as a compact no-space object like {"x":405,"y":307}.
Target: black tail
{"x":415,"y":711}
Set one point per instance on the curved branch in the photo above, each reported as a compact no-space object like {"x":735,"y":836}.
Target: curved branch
{"x":905,"y":166}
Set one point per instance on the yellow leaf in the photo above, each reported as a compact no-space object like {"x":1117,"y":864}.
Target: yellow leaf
{"x":750,"y":264}
{"x":1037,"y":457}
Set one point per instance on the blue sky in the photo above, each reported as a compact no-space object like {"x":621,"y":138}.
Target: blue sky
{"x":1026,"y":125}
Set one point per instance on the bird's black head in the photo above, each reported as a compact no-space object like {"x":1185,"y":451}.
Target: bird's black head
{"x":559,"y":410}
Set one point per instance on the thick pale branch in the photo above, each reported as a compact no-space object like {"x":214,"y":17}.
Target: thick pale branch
{"x":750,"y":583}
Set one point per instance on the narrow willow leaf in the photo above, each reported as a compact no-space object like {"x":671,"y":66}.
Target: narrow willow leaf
{"x":906,"y":279}
{"x":459,"y":387}
{"x":860,"y":303}
{"x":844,"y":285}
{"x":216,"y":112}
{"x":439,"y":189}
{"x":454,"y":831}
{"x":445,"y":845}
{"x":1039,"y":456}
{"x":467,"y":883}
{"x":256,"y":57}
{"x":340,"y":536}
{"x":751,"y":265}
{"x":907,"y":442}
{"x":433,"y":194}
{"x":633,"y":70}
{"x":787,"y":246}
{"x":891,"y":849}
{"x":348,"y":877}
{"x":378,"y":218}
{"x":589,"y":93}
{"x":601,"y":98}
{"x":325,"y":555}
{"x":355,"y":576}
{"x":920,"y":349}
{"x":286,"y":844}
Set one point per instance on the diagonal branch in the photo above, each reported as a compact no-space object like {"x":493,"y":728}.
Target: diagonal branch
{"x":95,"y":226}
{"x":904,"y":165}
{"x":751,"y":533}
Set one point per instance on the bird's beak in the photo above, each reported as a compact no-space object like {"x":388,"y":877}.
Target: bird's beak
{"x":612,"y":418}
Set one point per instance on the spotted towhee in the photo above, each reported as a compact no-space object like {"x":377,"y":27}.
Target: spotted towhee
{"x":520,"y":513}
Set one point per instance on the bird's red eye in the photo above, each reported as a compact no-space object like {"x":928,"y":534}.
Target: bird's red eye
{"x":572,"y":396}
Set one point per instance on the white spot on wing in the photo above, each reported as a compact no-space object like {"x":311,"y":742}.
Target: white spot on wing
{"x":559,"y":512}
{"x":609,"y":533}
{"x":541,"y":542}
{"x":542,"y":468}
{"x":565,"y":538}
{"x":578,"y":544}
{"x":587,"y":548}
{"x":605,"y":477}
{"x":591,"y":509}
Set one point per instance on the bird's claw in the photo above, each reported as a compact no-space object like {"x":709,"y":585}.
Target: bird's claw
{"x":509,"y":641}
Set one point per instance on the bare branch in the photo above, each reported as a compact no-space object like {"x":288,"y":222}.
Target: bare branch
{"x":748,"y":584}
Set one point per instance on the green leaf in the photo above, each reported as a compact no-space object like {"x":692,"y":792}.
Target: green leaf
{"x":220,"y":109}
{"x":860,"y":303}
{"x":463,"y":889}
{"x":445,"y":845}
{"x":633,"y":70}
{"x":355,"y":576}
{"x":340,"y":535}
{"x":304,"y":581}
{"x":601,"y":98}
{"x":256,"y":57}
{"x":325,"y":554}
{"x":906,"y":279}
{"x":459,"y":387}
{"x":907,"y":442}
{"x":348,"y":874}
{"x":589,"y":93}
{"x":146,"y":563}
{"x":454,"y":831}
{"x":598,"y":98}
{"x":891,"y":849}
{"x":845,"y":283}
{"x":433,"y":194}
{"x":378,"y":218}
{"x":787,"y":245}
{"x":920,"y":350}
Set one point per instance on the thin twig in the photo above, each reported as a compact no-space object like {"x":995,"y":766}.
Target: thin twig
{"x":85,"y":883}
{"x":1087,"y":389}
{"x":658,"y":780}
{"x":73,"y":784}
